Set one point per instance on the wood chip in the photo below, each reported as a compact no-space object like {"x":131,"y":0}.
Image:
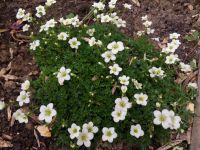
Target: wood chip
{"x":5,"y":144}
{"x":9,"y":112}
{"x":43,"y":130}
{"x":36,"y":137}
{"x":170,"y":145}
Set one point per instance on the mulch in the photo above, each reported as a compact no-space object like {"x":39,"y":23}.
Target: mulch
{"x":168,"y":16}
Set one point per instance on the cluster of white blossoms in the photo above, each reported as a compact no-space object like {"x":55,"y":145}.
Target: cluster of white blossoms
{"x":93,"y":41}
{"x":34,"y":44}
{"x":63,"y":75}
{"x":49,"y":24}
{"x":156,"y":72}
{"x":84,"y":136}
{"x":74,"y":21}
{"x":121,"y":107}
{"x":173,"y":45}
{"x":47,"y":113}
{"x":23,"y":16}
{"x":167,"y":119}
{"x":23,"y":98}
{"x":63,"y":36}
{"x":27,"y":17}
{"x":147,"y":24}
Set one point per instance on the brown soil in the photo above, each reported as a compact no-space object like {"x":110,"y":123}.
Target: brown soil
{"x":167,"y":15}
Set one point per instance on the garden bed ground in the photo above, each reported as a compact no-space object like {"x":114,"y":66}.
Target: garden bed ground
{"x":167,"y":16}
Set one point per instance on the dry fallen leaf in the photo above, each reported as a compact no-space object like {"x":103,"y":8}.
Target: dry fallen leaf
{"x":136,"y":2}
{"x":170,"y":145}
{"x":190,"y":107}
{"x":44,"y":131}
{"x":5,"y":144}
{"x":36,"y":137}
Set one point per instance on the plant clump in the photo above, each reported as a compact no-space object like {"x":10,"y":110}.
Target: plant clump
{"x":98,"y":84}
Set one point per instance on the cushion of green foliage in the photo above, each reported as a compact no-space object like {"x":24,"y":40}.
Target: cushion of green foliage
{"x":88,"y":95}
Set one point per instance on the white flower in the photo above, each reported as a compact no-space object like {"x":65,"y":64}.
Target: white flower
{"x":25,"y":86}
{"x":120,"y":23}
{"x":177,"y":148}
{"x":25,"y":27}
{"x":108,"y":55}
{"x":150,"y":31}
{"x":124,"y":88}
{"x":115,"y":69}
{"x":171,"y":59}
{"x":124,"y":80}
{"x":144,"y":18}
{"x":99,"y":5}
{"x":89,"y":127}
{"x":47,"y":113}
{"x":84,"y":138}
{"x":50,"y":2}
{"x":137,"y":84}
{"x":176,"y":42}
{"x":90,"y":32}
{"x":105,"y":18}
{"x":115,"y":47}
{"x":40,"y":11}
{"x":141,"y":99}
{"x":122,"y":103}
{"x":24,"y":97}
{"x":156,"y":72}
{"x":92,"y":41}
{"x":147,"y":23}
{"x":2,"y":105}
{"x":63,"y":36}
{"x":74,"y":131}
{"x":34,"y":44}
{"x":27,"y":17}
{"x":185,"y":67}
{"x":74,"y":43}
{"x":175,"y":121}
{"x":49,"y":24}
{"x":118,"y":115}
{"x":158,"y":104}
{"x":162,"y":118}
{"x":136,"y":131}
{"x":127,"y":6}
{"x":192,"y":85}
{"x":20,"y":13}
{"x":109,"y":134}
{"x":20,"y":116}
{"x":140,"y":33}
{"x":174,"y":36}
{"x":63,"y":74}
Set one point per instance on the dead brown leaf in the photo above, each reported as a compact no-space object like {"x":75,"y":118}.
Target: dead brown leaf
{"x":136,"y":2}
{"x":9,"y":77}
{"x":181,"y":77}
{"x":43,"y":130}
{"x":190,"y":107}
{"x":5,"y":144}
{"x":114,"y":88}
{"x":4,"y":70}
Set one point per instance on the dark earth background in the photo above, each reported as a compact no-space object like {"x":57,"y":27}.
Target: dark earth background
{"x":168,"y":16}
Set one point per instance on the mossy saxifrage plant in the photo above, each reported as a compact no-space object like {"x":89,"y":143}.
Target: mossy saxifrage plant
{"x":99,"y":84}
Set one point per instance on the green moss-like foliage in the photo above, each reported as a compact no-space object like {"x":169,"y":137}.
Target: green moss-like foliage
{"x":88,"y":95}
